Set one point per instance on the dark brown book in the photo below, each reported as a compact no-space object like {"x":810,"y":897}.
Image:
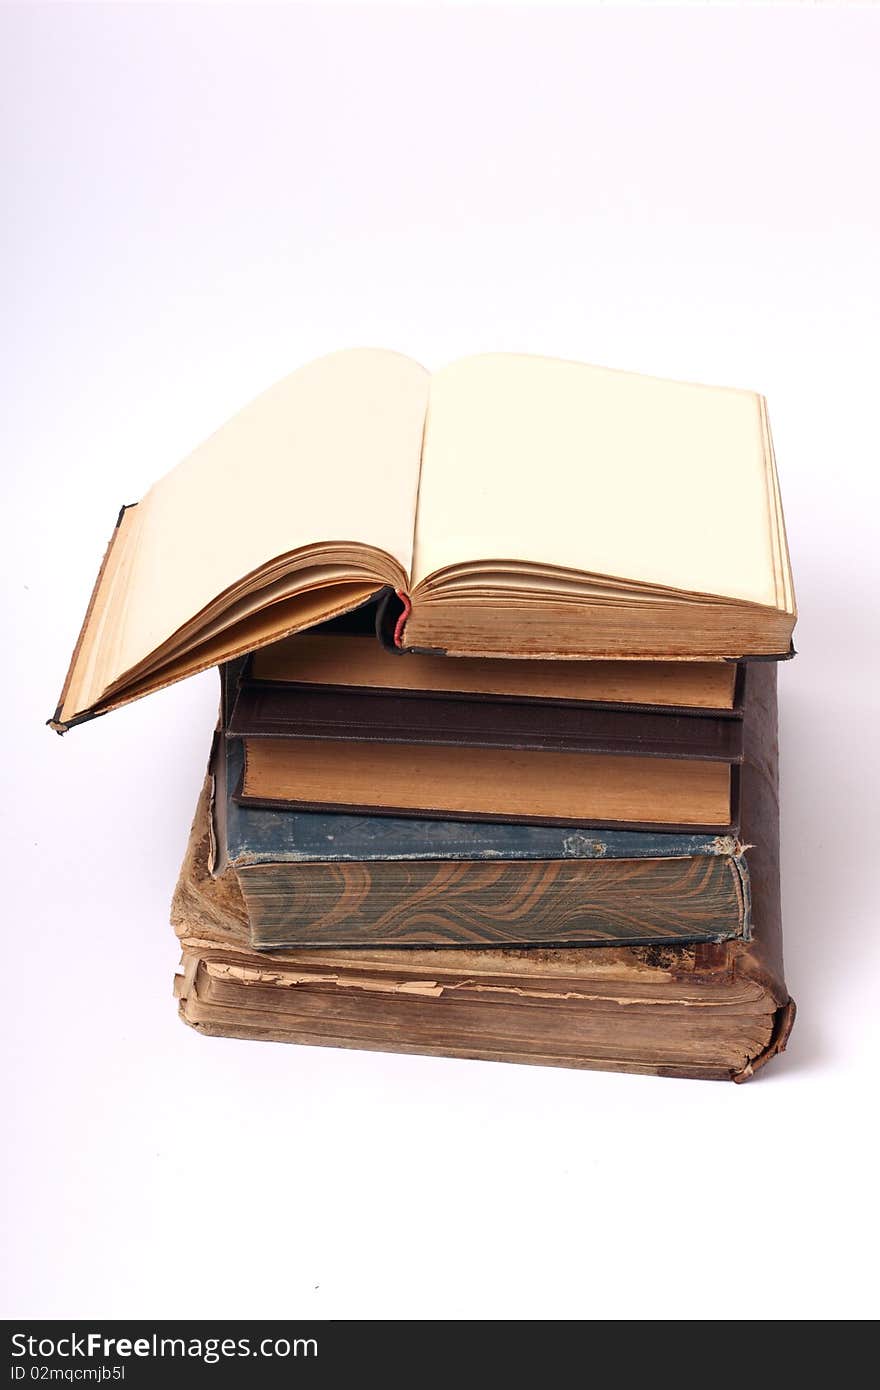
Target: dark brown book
{"x":709,"y":1011}
{"x":298,"y":712}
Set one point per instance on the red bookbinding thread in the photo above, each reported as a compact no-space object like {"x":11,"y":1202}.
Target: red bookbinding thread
{"x":401,"y":621}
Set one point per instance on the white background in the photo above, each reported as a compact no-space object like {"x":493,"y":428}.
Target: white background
{"x":195,"y":202}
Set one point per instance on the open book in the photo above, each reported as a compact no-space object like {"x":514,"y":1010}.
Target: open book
{"x":518,"y":506}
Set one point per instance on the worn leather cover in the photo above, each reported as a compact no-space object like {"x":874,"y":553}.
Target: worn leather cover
{"x":269,"y":710}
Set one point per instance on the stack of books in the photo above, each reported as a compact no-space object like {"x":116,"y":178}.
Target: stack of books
{"x":496,"y":773}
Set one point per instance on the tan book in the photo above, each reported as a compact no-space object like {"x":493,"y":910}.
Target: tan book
{"x":472,"y":783}
{"x":519,"y":507}
{"x":356,"y":661}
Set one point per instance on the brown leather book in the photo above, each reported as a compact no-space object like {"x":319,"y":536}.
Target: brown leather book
{"x":478,"y":721}
{"x":712,"y":1011}
{"x":345,"y":656}
{"x":533,"y":787}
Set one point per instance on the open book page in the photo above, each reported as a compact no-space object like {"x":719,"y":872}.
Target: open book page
{"x":552,"y":463}
{"x":330,"y":454}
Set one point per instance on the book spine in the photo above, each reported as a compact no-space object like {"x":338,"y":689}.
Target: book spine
{"x":376,"y":716}
{"x":395,"y":607}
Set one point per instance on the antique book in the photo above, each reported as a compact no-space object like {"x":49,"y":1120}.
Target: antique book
{"x":517,"y":507}
{"x":313,"y":878}
{"x":272,"y":712}
{"x":715,"y":1011}
{"x":543,"y":786}
{"x":345,"y":657}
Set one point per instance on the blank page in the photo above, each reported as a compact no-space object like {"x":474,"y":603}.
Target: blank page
{"x":601,"y":471}
{"x":331,"y":453}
